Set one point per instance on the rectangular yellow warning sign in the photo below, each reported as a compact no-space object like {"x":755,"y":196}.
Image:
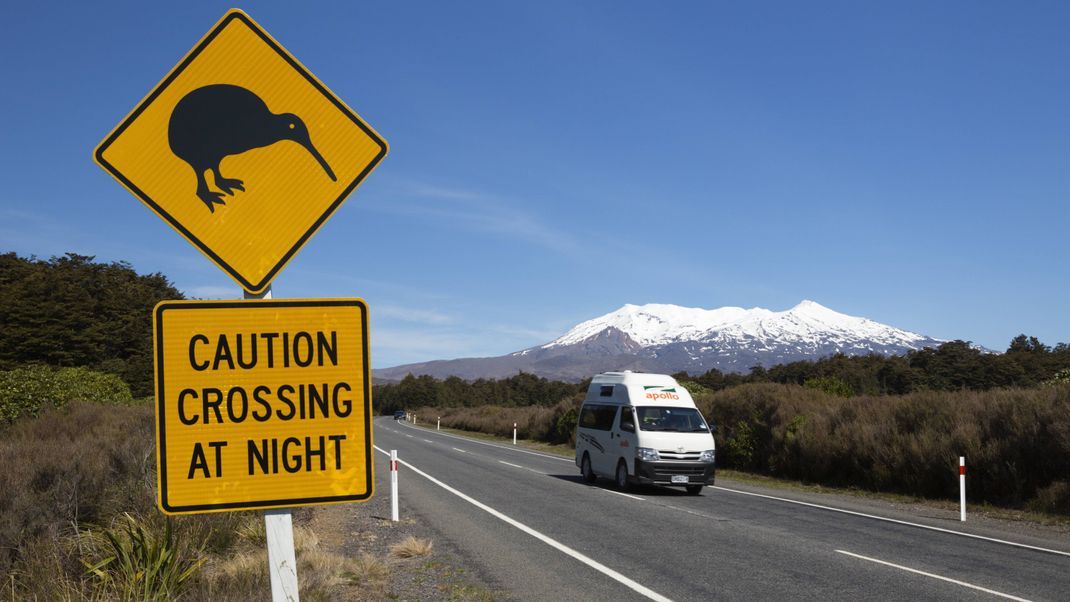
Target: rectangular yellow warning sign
{"x":262,"y":404}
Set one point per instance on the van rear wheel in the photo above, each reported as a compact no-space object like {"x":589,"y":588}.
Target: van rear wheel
{"x":622,"y":476}
{"x":585,"y":469}
{"x":693,"y":489}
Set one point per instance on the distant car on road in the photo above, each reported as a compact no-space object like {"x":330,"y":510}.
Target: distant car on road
{"x":398,"y":415}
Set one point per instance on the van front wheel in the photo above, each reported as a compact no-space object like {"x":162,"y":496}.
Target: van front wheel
{"x":622,"y":476}
{"x":693,"y":489}
{"x":585,"y":469}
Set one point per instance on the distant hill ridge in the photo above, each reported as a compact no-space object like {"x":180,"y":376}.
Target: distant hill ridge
{"x":670,"y":338}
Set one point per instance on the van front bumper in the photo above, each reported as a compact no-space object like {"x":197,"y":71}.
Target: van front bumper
{"x":662,"y":472}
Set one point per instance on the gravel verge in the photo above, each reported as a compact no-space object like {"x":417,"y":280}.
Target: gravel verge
{"x":365,"y":529}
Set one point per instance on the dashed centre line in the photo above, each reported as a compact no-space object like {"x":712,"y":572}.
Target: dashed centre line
{"x":934,"y":576}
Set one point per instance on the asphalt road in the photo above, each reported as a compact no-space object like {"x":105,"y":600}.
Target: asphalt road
{"x":535,"y":530}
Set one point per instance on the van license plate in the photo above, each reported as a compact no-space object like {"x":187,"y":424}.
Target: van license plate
{"x":679,"y":478}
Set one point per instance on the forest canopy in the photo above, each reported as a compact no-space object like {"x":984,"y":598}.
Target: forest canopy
{"x":72,"y":311}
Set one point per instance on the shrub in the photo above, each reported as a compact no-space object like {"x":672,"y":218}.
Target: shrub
{"x":72,"y":466}
{"x":549,"y":424}
{"x":24,"y":391}
{"x":566,"y":426}
{"x":1054,"y":498}
{"x":831,"y":385}
{"x":1016,"y":441}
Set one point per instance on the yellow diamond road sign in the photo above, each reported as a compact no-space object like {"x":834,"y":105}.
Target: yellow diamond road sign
{"x":262,"y":404}
{"x":242,"y":150}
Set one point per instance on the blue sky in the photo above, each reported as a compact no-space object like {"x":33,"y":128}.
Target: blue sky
{"x":552,"y":161}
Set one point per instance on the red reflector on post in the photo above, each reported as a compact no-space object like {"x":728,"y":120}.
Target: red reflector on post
{"x":962,"y":470}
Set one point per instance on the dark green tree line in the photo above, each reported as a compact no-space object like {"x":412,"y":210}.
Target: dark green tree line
{"x":72,"y":311}
{"x":953,"y":366}
{"x":424,"y":391}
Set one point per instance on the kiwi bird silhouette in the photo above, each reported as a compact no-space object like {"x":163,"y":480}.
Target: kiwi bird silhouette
{"x":220,"y":120}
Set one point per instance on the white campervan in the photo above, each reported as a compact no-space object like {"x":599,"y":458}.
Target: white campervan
{"x":643,"y":428}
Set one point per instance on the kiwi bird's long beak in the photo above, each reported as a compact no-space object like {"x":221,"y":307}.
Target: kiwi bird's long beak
{"x":323,"y":162}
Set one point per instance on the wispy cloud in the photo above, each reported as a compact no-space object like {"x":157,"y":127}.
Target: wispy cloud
{"x":406,"y":346}
{"x":410,"y":314}
{"x":477,"y":212}
{"x":439,"y":192}
{"x":520,"y":333}
{"x":344,"y":284}
{"x":392,"y":346}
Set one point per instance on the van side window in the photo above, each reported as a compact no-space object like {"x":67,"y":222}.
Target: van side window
{"x":606,"y":391}
{"x":596,"y":416}
{"x":627,"y":420}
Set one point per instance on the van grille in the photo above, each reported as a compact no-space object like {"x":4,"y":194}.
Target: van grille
{"x":670,"y":454}
{"x":663,"y":472}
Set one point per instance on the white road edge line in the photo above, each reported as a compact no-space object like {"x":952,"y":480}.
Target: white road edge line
{"x":896,"y":521}
{"x":641,"y":589}
{"x":522,"y":467}
{"x":634,"y":497}
{"x":948,"y":579}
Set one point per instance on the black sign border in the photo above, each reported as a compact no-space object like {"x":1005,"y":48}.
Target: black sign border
{"x":230,"y":270}
{"x":161,"y":430}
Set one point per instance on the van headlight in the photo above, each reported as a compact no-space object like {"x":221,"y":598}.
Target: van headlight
{"x":647,"y":454}
{"x":707,"y":456}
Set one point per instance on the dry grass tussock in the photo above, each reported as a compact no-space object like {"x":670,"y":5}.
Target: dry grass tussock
{"x":241,"y":572}
{"x":412,"y":547}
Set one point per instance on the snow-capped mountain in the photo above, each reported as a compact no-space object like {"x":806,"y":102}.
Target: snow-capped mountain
{"x":670,"y":338}
{"x":806,"y":326}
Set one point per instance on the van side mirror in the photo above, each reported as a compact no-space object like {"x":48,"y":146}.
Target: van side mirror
{"x":628,"y":426}
{"x":713,"y":427}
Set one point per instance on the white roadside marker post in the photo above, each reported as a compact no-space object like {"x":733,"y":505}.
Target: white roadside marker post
{"x":438,"y":425}
{"x":962,"y":488}
{"x":279,"y":531}
{"x":394,"y":485}
{"x":282,"y":561}
{"x":514,"y":433}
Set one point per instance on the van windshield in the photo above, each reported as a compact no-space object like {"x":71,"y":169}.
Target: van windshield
{"x":681,"y":420}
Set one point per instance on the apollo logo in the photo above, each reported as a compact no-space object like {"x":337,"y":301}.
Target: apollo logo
{"x":657,"y":392}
